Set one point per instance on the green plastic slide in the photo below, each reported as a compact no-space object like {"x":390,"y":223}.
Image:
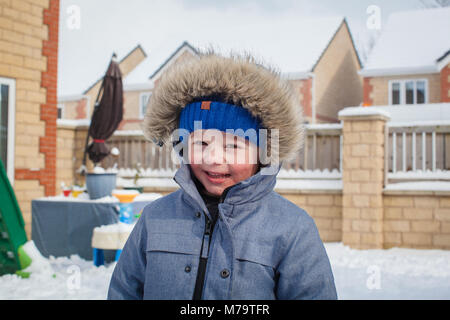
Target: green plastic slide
{"x":12,"y":227}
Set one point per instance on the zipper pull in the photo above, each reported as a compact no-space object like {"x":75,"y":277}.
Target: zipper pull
{"x":208,"y":226}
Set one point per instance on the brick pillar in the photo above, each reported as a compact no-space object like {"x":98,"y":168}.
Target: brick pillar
{"x":363,"y":177}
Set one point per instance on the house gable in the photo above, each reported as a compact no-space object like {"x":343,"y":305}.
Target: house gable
{"x":183,"y":51}
{"x":126,"y":64}
{"x":336,"y":81}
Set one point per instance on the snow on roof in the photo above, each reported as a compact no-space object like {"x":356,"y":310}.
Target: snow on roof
{"x":411,"y":43}
{"x":405,"y":115}
{"x":363,"y":111}
{"x":417,"y":114}
{"x":293,"y":46}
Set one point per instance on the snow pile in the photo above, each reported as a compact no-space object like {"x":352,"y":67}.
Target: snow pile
{"x":115,"y":228}
{"x":83,"y":197}
{"x":359,"y":274}
{"x":395,"y":273}
{"x":304,"y":184}
{"x":98,"y":170}
{"x":148,"y":182}
{"x":419,"y":186}
{"x":364,"y":111}
{"x":38,"y":262}
{"x":148,"y":196}
{"x":421,"y":175}
{"x":73,"y":279}
{"x":309,"y":174}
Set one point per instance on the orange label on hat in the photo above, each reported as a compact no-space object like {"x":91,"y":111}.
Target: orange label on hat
{"x":205,"y":105}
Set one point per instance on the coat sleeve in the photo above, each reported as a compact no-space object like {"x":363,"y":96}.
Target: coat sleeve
{"x":305,"y":271}
{"x":127,"y":281}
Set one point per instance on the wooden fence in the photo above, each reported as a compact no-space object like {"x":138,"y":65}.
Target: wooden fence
{"x":418,"y":147}
{"x":322,"y":150}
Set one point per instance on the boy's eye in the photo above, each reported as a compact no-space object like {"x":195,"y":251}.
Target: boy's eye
{"x":200,"y":143}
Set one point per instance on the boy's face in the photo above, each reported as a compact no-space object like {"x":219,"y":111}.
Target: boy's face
{"x":220,"y":160}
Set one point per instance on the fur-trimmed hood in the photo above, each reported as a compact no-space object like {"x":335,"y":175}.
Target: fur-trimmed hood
{"x":239,"y":80}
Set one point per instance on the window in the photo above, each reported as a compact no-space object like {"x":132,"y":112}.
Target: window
{"x":143,"y":101}
{"x":395,"y":93}
{"x":7,"y":120}
{"x":408,"y":91}
{"x":60,"y":110}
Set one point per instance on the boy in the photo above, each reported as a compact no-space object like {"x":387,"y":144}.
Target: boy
{"x":225,"y":234}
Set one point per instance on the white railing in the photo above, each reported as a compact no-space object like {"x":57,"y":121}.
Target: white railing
{"x":419,"y":149}
{"x":322,"y":151}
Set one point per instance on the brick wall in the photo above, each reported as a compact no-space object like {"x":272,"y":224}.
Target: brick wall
{"x":445,"y":84}
{"x":367,"y":92}
{"x":28,"y":52}
{"x":325,"y":208}
{"x":416,"y":220}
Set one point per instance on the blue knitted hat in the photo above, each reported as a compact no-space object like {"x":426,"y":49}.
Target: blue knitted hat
{"x":220,"y":116}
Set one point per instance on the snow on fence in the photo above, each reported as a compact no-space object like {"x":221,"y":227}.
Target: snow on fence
{"x":418,"y":150}
{"x":321,"y":152}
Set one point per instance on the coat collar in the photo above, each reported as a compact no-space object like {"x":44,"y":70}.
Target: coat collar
{"x":249,"y":190}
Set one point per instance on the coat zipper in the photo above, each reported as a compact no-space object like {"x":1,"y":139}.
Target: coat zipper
{"x":204,"y":253}
{"x":198,"y":291}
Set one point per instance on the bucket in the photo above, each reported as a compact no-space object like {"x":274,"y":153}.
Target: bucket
{"x":100,"y":185}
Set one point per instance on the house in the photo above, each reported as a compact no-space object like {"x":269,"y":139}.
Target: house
{"x":410,"y":63}
{"x":138,"y":92}
{"x":28,"y":102}
{"x":76,"y":107}
{"x":324,"y":70}
{"x":331,"y":81}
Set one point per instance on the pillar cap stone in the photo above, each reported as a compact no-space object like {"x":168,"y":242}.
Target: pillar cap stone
{"x":364,"y":113}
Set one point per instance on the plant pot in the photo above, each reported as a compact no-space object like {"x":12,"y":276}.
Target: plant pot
{"x":100,"y":185}
{"x":140,"y":189}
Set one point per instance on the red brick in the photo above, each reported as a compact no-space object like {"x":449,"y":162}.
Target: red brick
{"x":367,"y":90}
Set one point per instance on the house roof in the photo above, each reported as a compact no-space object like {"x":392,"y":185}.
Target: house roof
{"x":138,"y":47}
{"x":412,"y":42}
{"x":185,"y":46}
{"x":294,"y":51}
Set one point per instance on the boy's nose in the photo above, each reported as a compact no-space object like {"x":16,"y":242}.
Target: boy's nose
{"x":213,"y":155}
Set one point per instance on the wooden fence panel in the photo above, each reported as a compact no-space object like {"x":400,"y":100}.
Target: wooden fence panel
{"x":418,"y":148}
{"x":321,"y":151}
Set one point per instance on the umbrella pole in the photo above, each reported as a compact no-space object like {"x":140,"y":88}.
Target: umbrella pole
{"x":83,"y":168}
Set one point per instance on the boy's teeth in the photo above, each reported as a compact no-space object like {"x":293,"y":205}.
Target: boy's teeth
{"x":216,"y":175}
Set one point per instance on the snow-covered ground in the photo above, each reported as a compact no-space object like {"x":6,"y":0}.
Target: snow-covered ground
{"x":359,"y":274}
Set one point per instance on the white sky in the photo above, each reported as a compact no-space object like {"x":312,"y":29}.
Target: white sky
{"x":160,"y":26}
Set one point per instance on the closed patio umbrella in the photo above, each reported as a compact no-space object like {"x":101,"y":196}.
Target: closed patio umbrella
{"x":107,"y":115}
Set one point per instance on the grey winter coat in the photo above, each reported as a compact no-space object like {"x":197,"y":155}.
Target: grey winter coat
{"x":262,"y":247}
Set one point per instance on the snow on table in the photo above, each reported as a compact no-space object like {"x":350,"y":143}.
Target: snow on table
{"x":359,"y":274}
{"x":84,"y":197}
{"x":112,"y":236}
